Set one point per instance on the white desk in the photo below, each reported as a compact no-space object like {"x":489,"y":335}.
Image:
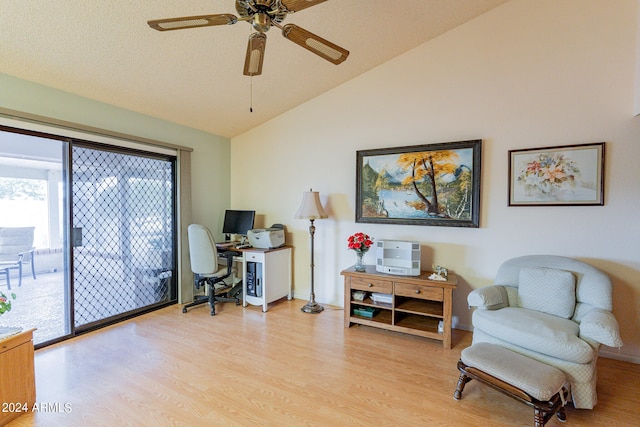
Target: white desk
{"x":273,"y":270}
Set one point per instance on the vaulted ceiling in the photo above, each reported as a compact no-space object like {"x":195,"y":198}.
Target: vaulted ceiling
{"x":105,"y":51}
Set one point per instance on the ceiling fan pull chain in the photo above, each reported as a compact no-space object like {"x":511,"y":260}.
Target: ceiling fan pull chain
{"x":250,"y":80}
{"x":251,"y":94}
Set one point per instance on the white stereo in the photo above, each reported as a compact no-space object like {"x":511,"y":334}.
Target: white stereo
{"x":398,"y":257}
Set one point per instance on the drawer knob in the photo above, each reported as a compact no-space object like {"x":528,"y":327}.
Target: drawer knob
{"x":417,"y":291}
{"x":370,"y":285}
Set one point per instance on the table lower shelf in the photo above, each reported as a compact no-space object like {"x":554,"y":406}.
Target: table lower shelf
{"x":411,"y":324}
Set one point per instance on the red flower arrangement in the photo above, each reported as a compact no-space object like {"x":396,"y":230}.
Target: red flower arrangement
{"x":360,"y":242}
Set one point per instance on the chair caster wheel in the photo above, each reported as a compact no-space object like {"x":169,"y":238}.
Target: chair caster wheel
{"x":184,"y":310}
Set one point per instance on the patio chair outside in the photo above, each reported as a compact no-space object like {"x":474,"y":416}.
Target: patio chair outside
{"x":16,"y":250}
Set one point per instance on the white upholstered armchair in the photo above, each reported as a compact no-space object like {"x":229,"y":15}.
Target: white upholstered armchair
{"x":552,"y":309}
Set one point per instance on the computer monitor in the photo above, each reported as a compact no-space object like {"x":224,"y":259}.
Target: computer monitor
{"x":237,"y":222}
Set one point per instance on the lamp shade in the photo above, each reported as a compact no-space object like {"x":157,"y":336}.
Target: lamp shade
{"x":311,"y":208}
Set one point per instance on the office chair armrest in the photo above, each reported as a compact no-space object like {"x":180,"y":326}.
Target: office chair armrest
{"x":229,"y":256}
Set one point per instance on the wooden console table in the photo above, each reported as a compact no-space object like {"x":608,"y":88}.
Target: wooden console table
{"x":417,"y":303}
{"x":17,"y":381}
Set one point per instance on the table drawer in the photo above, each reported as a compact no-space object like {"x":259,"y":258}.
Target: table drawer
{"x":254,"y":256}
{"x":419,"y":291}
{"x":372,"y":285}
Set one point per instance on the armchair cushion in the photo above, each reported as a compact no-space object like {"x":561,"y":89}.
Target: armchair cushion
{"x":536,"y":331}
{"x":489,"y":297}
{"x":547,"y":290}
{"x":600,"y":326}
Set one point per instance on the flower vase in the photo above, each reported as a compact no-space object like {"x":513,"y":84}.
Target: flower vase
{"x":359,"y":263}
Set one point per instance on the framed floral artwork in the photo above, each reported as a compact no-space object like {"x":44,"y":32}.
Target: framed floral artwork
{"x":571,"y":175}
{"x":431,"y":184}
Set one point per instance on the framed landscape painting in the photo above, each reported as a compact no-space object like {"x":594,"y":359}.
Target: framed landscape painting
{"x":571,"y":175}
{"x":431,"y":184}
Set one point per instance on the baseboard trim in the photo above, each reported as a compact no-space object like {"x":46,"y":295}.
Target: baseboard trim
{"x":619,"y":356}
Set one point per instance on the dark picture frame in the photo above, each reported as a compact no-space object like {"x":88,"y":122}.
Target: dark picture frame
{"x":429,"y":184}
{"x":568,"y":175}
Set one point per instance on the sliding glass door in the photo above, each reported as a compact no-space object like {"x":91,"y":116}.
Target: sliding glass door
{"x":123,"y":234}
{"x":103,"y":220}
{"x":33,"y":228}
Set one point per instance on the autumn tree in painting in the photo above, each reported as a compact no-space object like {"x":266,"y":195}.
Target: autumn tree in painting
{"x":423,"y":169}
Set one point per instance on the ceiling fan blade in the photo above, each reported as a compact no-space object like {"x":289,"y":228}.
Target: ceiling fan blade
{"x":296,"y":5}
{"x":192,"y":22}
{"x":316,"y":44}
{"x":255,"y":54}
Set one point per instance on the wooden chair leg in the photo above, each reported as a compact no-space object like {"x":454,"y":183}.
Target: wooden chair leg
{"x":538,"y":417}
{"x":462,"y":381}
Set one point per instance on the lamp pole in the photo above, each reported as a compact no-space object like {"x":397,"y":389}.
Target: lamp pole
{"x":311,"y":209}
{"x":312,"y":306}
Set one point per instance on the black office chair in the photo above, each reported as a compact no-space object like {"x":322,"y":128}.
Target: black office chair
{"x":204,"y":265}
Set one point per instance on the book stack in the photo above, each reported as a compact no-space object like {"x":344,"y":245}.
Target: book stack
{"x":364,"y":311}
{"x":379,"y":298}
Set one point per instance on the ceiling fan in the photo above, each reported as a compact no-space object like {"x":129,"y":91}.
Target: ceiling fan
{"x":261,"y":14}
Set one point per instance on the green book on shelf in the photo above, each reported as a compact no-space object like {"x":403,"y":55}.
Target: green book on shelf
{"x":364,"y":311}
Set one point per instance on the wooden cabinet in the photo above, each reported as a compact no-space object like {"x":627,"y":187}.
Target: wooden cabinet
{"x":417,"y":305}
{"x":17,"y":381}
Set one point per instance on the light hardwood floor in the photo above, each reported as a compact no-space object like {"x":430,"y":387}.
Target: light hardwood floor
{"x":282,"y":368}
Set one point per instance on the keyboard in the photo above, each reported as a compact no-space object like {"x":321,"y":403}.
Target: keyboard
{"x":225,"y":244}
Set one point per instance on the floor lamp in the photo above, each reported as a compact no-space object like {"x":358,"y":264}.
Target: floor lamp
{"x":311,"y":209}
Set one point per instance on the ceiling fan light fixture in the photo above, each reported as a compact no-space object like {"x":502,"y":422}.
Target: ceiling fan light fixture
{"x":261,"y":22}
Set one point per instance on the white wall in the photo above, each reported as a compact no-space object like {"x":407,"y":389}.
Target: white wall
{"x":530,"y":73}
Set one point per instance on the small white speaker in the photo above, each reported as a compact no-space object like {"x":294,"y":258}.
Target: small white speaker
{"x":398,"y":257}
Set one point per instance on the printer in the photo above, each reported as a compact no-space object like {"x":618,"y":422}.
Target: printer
{"x":266,"y":238}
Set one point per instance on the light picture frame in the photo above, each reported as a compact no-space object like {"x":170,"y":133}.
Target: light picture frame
{"x":569,"y":175}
